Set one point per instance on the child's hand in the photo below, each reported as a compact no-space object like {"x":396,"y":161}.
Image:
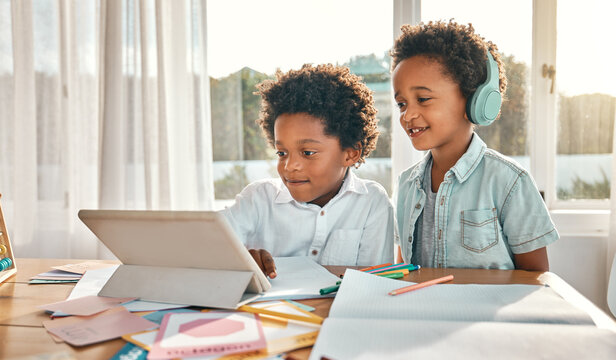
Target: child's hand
{"x":265,"y":261}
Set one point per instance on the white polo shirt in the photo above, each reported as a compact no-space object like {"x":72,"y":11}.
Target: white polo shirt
{"x":356,"y":227}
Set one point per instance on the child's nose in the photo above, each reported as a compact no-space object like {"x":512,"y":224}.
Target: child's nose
{"x":292,"y":163}
{"x":409,"y":114}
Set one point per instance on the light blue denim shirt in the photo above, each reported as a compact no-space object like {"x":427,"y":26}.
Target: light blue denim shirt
{"x":487,"y":209}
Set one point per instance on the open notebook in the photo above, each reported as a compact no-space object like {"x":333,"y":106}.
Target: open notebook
{"x":456,"y":321}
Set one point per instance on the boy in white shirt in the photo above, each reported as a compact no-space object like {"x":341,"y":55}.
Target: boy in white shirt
{"x":321,"y":120}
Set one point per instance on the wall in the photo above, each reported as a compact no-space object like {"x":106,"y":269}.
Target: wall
{"x":581,"y":262}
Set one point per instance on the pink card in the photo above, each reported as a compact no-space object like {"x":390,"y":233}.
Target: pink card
{"x":184,"y":335}
{"x":113,"y":323}
{"x":85,"y":306}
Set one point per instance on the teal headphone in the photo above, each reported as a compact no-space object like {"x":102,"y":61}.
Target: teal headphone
{"x":483,"y":107}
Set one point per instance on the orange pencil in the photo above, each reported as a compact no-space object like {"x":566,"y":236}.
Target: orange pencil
{"x":421,"y":285}
{"x":403,"y":271}
{"x":375,"y":267}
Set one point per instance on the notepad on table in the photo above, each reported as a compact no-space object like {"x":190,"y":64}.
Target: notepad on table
{"x":455,"y":321}
{"x":298,"y":277}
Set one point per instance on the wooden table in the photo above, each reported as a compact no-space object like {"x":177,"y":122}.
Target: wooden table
{"x":22,"y":333}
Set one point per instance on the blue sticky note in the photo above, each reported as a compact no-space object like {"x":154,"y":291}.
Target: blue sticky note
{"x":132,"y":352}
{"x":157,"y":316}
{"x":300,"y":305}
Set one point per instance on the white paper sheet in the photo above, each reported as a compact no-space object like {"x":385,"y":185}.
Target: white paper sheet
{"x":361,"y":339}
{"x":298,"y":278}
{"x":456,"y":321}
{"x":363,"y":295}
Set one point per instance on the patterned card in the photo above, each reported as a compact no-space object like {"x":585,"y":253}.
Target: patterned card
{"x":184,"y":335}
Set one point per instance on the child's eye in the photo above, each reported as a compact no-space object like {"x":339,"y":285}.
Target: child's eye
{"x":281,"y":153}
{"x":422,"y":99}
{"x":309,"y":153}
{"x":400,"y":105}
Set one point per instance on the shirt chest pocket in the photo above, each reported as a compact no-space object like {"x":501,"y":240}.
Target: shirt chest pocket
{"x":479,"y":229}
{"x":342,"y":248}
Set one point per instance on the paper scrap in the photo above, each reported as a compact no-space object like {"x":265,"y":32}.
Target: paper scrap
{"x":111,"y":324}
{"x":85,"y":306}
{"x":82,"y":267}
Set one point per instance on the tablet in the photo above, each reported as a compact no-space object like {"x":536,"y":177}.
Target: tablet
{"x":179,"y":239}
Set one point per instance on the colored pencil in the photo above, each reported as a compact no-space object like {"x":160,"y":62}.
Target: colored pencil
{"x":396,"y":266}
{"x":329,"y":289}
{"x":421,"y":285}
{"x":393,"y":275}
{"x":403,"y":271}
{"x":255,"y":310}
{"x":374,"y":267}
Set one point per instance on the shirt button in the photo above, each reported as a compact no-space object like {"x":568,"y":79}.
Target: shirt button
{"x":322,"y":212}
{"x":417,"y":206}
{"x":315,"y":251}
{"x":410,"y":239}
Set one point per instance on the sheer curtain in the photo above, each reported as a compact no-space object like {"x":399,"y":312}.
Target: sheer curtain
{"x":103,"y":104}
{"x":611,"y":239}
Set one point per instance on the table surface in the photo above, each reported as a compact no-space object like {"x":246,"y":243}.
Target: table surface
{"x":22,"y":332}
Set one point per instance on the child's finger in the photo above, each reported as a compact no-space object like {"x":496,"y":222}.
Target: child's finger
{"x":257,"y":257}
{"x":268,"y":264}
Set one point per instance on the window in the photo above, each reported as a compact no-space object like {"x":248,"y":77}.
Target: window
{"x":586,"y":99}
{"x":265,"y":36}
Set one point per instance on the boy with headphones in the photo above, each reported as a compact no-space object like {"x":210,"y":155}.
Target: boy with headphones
{"x":463,"y":205}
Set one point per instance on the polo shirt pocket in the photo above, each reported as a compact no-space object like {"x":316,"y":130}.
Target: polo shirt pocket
{"x":479,"y":229}
{"x":342,"y":248}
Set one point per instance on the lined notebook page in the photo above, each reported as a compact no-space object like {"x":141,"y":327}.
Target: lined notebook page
{"x":363,"y":295}
{"x":359,"y":339}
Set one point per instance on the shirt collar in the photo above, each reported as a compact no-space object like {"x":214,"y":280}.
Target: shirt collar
{"x":463,"y":168}
{"x":351,"y":184}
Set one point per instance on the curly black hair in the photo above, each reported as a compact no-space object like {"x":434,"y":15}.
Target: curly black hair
{"x":461,"y":52}
{"x":328,"y":92}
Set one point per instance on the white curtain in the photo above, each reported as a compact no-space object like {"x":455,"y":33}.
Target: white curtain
{"x":103,"y":104}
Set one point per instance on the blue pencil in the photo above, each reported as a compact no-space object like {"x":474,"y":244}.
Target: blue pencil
{"x":411,"y":267}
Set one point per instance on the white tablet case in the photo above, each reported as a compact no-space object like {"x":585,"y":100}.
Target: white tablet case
{"x":180,"y":257}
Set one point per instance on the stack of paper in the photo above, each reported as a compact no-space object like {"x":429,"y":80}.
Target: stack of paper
{"x":67,"y":273}
{"x":55,"y":277}
{"x":456,"y":321}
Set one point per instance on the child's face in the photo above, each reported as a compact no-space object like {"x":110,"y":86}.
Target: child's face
{"x":432,"y":107}
{"x":311,"y":164}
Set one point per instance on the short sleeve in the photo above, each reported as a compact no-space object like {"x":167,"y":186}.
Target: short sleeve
{"x":376,"y":244}
{"x":525,"y":219}
{"x":243,"y":215}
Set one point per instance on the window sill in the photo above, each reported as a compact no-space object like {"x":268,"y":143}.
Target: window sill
{"x":581,"y":222}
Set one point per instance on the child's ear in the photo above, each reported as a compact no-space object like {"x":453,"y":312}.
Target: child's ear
{"x":352,"y":155}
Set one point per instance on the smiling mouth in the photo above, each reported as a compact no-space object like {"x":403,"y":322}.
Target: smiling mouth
{"x":296,"y":182}
{"x":416,"y":131}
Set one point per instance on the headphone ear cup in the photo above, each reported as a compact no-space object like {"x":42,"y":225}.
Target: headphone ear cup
{"x":484,"y":105}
